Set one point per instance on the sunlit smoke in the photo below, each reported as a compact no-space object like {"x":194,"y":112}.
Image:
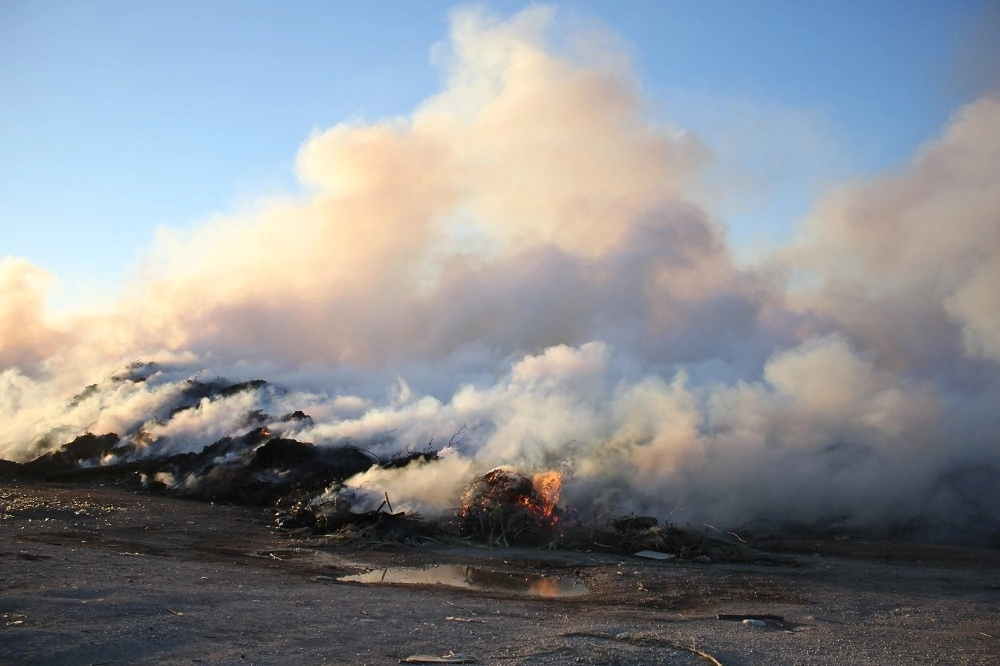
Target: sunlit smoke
{"x":519,"y":271}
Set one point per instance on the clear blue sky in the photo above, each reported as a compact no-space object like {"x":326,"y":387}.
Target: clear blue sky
{"x":119,"y":116}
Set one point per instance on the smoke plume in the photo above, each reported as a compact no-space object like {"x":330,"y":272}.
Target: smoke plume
{"x":522,"y":271}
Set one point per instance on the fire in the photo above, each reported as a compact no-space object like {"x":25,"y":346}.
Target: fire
{"x":548,"y":486}
{"x":505,"y":505}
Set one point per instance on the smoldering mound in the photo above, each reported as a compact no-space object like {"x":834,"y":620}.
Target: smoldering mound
{"x":647,"y":446}
{"x":527,"y":271}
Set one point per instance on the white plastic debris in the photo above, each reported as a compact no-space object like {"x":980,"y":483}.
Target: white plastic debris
{"x":655,"y":555}
{"x":449,"y":658}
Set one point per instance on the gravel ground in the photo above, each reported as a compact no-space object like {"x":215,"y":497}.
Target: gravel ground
{"x":95,"y":575}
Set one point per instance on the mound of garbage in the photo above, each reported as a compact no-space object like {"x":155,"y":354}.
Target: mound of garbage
{"x":304,"y":483}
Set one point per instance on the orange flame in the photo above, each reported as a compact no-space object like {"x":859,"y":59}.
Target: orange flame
{"x":548,"y":485}
{"x":533,"y":497}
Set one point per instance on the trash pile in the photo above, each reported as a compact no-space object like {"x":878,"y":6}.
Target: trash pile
{"x":305,"y":483}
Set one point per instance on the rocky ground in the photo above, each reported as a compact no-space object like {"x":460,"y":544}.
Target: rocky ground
{"x":104,"y":575}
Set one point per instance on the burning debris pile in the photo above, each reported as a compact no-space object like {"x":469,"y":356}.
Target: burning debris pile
{"x":332,"y":517}
{"x":503,"y":507}
{"x":166,"y":431}
{"x":304,"y":484}
{"x":258,"y":465}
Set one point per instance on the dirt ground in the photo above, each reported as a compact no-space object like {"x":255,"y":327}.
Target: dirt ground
{"x":96,"y":575}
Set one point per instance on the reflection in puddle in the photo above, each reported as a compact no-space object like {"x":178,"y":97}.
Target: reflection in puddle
{"x":457,"y":575}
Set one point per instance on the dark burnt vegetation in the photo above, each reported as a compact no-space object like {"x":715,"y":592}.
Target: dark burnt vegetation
{"x":195,"y":391}
{"x":254,"y":469}
{"x":87,"y":449}
{"x":304,"y":483}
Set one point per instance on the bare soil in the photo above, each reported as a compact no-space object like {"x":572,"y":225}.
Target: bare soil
{"x":103,"y":575}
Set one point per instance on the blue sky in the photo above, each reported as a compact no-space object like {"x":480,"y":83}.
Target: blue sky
{"x":119,"y":117}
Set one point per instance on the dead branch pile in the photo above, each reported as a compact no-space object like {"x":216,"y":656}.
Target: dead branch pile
{"x":505,"y":508}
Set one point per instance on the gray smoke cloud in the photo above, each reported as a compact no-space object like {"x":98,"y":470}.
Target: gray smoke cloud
{"x":525,"y":259}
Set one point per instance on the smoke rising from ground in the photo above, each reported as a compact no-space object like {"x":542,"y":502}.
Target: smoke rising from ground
{"x":525,"y":260}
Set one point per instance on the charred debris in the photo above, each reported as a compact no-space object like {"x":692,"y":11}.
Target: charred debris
{"x":300,"y":481}
{"x":304,"y":485}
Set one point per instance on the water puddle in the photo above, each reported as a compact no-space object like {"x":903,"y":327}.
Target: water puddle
{"x":457,"y":575}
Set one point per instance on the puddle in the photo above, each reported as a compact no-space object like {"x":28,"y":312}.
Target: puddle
{"x":457,"y":575}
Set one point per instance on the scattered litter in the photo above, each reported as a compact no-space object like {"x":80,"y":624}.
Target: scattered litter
{"x":177,"y":613}
{"x":451,"y":618}
{"x":754,"y":620}
{"x":654,"y":555}
{"x":740,"y":617}
{"x":449,"y":658}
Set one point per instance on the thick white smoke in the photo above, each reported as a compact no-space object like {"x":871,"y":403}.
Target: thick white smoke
{"x":524,"y":260}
